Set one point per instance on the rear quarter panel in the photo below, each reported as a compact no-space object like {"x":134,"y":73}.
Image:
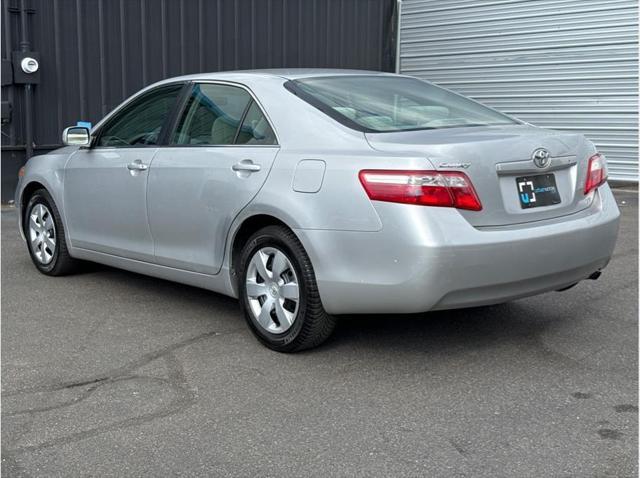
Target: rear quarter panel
{"x":305,"y":133}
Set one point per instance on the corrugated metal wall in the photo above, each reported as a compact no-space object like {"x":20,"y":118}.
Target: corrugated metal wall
{"x":95,"y":53}
{"x":564,"y":64}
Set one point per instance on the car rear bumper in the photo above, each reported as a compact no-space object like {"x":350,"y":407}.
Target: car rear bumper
{"x":432,"y":258}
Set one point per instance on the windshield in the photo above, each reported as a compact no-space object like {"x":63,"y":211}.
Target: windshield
{"x":392,"y":103}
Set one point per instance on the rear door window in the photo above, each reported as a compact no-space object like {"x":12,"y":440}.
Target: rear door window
{"x":212,"y":115}
{"x":222,"y":115}
{"x":255,"y":128}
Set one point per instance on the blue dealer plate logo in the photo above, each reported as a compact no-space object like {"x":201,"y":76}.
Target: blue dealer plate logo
{"x":535,"y":191}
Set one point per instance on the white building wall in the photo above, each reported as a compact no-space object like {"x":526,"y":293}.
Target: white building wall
{"x":564,"y":64}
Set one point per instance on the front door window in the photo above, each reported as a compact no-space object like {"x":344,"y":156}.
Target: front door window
{"x":141,"y":122}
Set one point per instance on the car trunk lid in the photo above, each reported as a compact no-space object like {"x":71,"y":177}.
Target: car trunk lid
{"x":494,"y":158}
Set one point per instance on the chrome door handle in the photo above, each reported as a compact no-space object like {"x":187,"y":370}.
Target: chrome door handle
{"x":137,"y":165}
{"x":246,"y":165}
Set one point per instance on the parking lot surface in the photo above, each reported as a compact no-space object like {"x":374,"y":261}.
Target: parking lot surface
{"x":109,"y":373}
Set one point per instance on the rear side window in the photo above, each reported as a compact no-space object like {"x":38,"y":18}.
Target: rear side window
{"x":392,"y":103}
{"x":140,"y":123}
{"x":222,"y":115}
{"x":255,"y":128}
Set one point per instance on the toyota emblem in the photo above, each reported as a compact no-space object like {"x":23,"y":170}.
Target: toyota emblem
{"x":540,"y":157}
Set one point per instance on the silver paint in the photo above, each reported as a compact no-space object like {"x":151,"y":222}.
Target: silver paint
{"x":178,"y":218}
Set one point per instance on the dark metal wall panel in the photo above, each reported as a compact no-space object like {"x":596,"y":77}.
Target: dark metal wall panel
{"x":95,"y":53}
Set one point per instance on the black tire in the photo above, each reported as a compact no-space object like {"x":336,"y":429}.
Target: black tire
{"x":61,"y":263}
{"x":312,"y":324}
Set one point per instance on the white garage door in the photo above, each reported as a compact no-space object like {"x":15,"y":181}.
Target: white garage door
{"x":563,"y":64}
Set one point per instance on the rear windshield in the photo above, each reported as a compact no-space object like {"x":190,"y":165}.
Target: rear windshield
{"x":392,"y":103}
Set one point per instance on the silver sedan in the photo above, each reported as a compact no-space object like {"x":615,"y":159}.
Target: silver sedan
{"x":308,"y":194}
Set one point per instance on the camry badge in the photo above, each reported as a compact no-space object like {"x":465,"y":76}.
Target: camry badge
{"x":540,"y":157}
{"x":454,"y":165}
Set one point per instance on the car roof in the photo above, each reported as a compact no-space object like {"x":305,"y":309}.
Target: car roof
{"x":295,"y":73}
{"x":286,"y":73}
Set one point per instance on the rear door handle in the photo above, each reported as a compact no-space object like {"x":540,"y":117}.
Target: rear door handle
{"x":246,"y":165}
{"x":137,"y":165}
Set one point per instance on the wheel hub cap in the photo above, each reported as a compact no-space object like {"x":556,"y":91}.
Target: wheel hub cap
{"x":272,"y":290}
{"x":42,"y":234}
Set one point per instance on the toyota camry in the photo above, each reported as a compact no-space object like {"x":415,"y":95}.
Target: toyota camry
{"x":308,"y":194}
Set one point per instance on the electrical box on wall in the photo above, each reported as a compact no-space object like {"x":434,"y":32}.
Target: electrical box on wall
{"x":26,"y":67}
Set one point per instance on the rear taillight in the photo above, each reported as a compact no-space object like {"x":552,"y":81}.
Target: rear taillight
{"x":596,"y":173}
{"x":426,"y":188}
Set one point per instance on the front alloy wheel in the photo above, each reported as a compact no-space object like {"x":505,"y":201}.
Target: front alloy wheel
{"x":45,"y":235}
{"x":42,"y":233}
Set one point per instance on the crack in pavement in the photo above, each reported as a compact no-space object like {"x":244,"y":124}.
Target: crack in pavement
{"x":177,"y":382}
{"x":119,"y":371}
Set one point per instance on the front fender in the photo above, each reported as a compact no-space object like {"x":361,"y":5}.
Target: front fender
{"x":48,"y":171}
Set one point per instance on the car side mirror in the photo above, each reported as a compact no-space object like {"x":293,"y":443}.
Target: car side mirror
{"x":76,"y":136}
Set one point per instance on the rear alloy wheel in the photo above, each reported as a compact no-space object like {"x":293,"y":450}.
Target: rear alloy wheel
{"x":45,"y":235}
{"x":279,"y":294}
{"x":272,"y":290}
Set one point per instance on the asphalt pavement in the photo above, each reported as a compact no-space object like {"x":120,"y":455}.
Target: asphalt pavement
{"x":109,"y":373}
